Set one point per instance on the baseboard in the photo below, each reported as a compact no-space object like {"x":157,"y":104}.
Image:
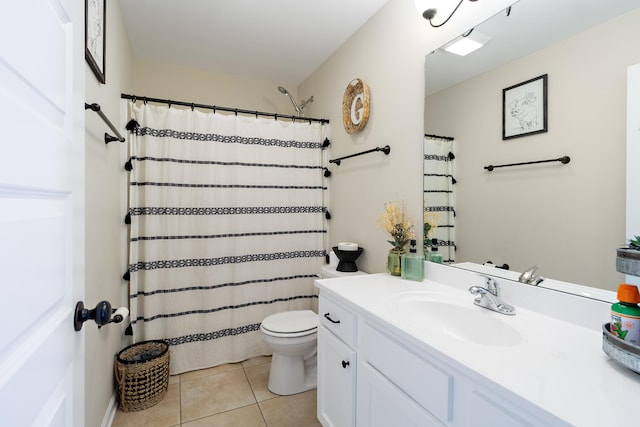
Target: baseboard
{"x":110,"y":414}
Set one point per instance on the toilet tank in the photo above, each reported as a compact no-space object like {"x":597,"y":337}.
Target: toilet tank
{"x":329,"y":271}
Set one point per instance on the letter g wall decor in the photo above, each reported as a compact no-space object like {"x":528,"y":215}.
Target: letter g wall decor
{"x":355,"y":106}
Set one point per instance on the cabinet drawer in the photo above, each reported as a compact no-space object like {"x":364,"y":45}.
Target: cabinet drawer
{"x":337,"y":319}
{"x":430,"y":386}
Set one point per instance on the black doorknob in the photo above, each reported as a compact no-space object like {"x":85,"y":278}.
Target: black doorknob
{"x":345,"y":364}
{"x":101,"y":314}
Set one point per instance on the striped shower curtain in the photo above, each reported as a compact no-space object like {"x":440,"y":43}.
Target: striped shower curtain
{"x":227,"y":227}
{"x":439,"y":197}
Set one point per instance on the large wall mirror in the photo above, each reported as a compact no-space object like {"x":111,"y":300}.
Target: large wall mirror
{"x":567,"y":218}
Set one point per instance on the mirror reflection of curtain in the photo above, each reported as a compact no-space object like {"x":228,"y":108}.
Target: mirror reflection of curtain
{"x":439,"y":196}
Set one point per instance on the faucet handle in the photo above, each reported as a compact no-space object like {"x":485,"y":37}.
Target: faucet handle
{"x":528,"y":274}
{"x":491,"y":283}
{"x":487,"y":278}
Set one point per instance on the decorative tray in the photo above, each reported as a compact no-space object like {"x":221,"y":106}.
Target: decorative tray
{"x":628,"y":261}
{"x":626,"y":354}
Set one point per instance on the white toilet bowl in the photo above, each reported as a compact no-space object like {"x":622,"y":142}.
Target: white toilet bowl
{"x":292,"y":336}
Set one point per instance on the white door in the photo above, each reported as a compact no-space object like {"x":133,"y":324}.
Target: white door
{"x":41,"y":211}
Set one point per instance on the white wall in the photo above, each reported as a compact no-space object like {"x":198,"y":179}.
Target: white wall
{"x":569,"y":219}
{"x":169,"y":81}
{"x":104,"y":248}
{"x":387,"y":53}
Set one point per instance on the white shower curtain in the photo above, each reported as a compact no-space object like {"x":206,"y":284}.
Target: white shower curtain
{"x":227,"y":226}
{"x":439,"y":197}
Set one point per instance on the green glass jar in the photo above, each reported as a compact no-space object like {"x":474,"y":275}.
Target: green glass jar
{"x":394,"y":261}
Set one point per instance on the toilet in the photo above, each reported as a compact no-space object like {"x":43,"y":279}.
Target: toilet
{"x":292,"y":337}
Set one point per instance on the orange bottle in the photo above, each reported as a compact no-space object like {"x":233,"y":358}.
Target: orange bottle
{"x":625,"y":314}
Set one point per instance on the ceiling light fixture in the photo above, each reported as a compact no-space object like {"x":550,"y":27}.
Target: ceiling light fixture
{"x":466,"y":43}
{"x":430,"y":13}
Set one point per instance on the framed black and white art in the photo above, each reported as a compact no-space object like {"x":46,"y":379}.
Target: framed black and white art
{"x":524,"y":108}
{"x":94,"y":36}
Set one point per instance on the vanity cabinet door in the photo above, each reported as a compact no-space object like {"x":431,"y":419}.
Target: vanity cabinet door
{"x":424,"y":379}
{"x":479,"y":406}
{"x":336,"y":380}
{"x":381,"y":404}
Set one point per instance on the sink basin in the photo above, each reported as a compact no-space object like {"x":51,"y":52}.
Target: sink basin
{"x":455,"y":316}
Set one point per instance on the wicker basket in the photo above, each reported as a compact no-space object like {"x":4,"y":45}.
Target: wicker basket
{"x":142,"y":375}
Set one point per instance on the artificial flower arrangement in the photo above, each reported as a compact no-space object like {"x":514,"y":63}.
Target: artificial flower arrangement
{"x":395,"y":222}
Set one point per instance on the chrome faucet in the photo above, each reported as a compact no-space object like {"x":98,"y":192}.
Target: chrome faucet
{"x":528,"y":276}
{"x":489,"y":297}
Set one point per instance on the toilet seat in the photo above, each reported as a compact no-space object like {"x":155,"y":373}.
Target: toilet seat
{"x":297,"y":323}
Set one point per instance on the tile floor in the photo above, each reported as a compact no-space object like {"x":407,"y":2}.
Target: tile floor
{"x":228,"y":395}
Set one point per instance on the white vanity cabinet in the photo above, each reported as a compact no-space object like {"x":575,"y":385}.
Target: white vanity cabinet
{"x":397,"y":383}
{"x":337,"y":365}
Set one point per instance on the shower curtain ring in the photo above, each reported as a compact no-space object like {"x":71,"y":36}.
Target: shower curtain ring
{"x":193,"y":106}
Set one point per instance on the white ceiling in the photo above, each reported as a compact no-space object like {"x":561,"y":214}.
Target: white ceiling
{"x":282,"y":41}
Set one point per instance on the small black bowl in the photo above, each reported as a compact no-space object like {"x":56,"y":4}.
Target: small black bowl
{"x":347,"y":259}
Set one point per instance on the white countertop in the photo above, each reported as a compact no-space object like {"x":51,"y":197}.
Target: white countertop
{"x":557,"y":364}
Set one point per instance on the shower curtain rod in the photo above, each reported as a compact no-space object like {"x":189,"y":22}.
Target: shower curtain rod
{"x":107,"y":138}
{"x":446,"y":138}
{"x":237,"y":111}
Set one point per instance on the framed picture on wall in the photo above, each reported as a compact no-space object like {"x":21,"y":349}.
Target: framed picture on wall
{"x":95,"y":17}
{"x":524,"y":108}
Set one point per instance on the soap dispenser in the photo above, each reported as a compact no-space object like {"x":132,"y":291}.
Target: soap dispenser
{"x":435,"y":255}
{"x":412,"y":264}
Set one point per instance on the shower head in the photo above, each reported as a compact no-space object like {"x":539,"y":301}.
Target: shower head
{"x":298,"y":108}
{"x":293,"y":101}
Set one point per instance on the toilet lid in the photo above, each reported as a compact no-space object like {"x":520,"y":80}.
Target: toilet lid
{"x":291,"y":322}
